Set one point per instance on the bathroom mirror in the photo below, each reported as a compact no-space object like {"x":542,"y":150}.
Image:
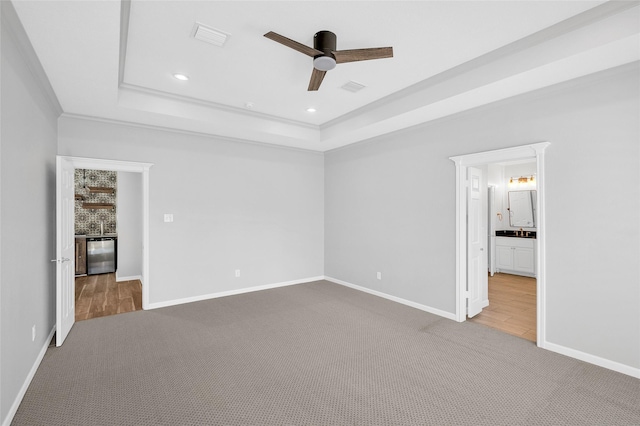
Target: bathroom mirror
{"x":522,"y":206}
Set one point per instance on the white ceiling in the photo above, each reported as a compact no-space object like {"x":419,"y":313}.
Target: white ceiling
{"x":114,"y":60}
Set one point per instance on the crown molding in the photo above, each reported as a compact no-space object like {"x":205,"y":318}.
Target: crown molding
{"x":125,"y":13}
{"x":215,"y":106}
{"x":204,"y":135}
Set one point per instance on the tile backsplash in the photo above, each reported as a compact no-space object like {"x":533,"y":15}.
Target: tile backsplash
{"x":88,"y":220}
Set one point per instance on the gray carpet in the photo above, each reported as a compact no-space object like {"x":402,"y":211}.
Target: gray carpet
{"x":314,"y":354}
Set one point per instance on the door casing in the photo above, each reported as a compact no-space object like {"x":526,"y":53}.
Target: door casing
{"x":462,"y":162}
{"x":134,"y":167}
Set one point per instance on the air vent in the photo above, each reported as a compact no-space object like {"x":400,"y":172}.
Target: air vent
{"x":353,"y":86}
{"x":209,"y":35}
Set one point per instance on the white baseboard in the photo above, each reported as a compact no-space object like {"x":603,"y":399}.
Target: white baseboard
{"x":131,"y":278}
{"x":593,"y":359}
{"x":23,"y":390}
{"x":425,"y":308}
{"x":230,"y":293}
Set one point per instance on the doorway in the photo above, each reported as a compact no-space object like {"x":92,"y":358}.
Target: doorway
{"x":466,"y":293}
{"x":108,"y":234}
{"x":65,"y":280}
{"x":509,"y":305}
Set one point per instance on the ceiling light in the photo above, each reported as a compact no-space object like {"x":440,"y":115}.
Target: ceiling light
{"x":311,"y":109}
{"x":181,"y":77}
{"x":324,"y":63}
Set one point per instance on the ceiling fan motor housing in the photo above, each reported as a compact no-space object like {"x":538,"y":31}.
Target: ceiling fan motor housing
{"x":325,"y":41}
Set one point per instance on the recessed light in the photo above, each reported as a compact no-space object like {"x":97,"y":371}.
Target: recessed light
{"x":181,"y":77}
{"x":311,"y":109}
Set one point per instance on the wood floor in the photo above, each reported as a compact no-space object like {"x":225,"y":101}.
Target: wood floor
{"x":100,"y":295}
{"x":512,"y":306}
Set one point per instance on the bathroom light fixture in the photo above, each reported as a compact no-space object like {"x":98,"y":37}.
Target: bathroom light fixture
{"x":181,"y":77}
{"x":522,"y":180}
{"x":311,"y":109}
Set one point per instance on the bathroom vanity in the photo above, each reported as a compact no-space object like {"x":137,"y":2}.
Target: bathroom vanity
{"x":516,"y":255}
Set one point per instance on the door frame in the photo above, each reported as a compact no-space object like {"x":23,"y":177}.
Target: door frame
{"x":532,"y":151}
{"x":134,"y":167}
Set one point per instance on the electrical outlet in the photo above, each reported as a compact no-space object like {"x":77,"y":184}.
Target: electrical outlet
{"x":237,"y":273}
{"x":168,"y":217}
{"x":33,"y":333}
{"x":379,"y":275}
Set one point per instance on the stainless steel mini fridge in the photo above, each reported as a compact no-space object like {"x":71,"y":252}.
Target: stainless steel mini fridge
{"x":101,"y":255}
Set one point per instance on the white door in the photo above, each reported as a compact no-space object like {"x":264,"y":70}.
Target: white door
{"x":476,"y":242}
{"x":65,"y":249}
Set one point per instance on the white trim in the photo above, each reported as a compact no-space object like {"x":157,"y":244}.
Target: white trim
{"x":168,"y":96}
{"x":540,"y":247}
{"x":593,"y":359}
{"x":113,"y":165}
{"x":131,"y":278}
{"x":230,"y":292}
{"x":425,"y":308}
{"x":531,"y":151}
{"x":155,"y":127}
{"x":145,"y":239}
{"x":133,"y":167}
{"x":27,"y":381}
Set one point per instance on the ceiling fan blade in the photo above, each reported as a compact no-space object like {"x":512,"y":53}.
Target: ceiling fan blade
{"x":316,"y":79}
{"x":354,"y":55}
{"x":309,"y":51}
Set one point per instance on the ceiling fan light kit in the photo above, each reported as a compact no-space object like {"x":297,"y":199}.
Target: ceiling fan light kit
{"x":324,"y":63}
{"x":326,"y":56}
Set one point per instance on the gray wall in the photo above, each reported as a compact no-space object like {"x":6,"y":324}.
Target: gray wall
{"x":27,"y":209}
{"x":236,"y":205}
{"x":129,"y":225}
{"x":390,"y":207}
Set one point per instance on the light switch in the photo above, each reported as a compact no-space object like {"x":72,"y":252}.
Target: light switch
{"x":168,"y":217}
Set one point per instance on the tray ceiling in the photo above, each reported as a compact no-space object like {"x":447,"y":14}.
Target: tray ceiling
{"x":115,"y":60}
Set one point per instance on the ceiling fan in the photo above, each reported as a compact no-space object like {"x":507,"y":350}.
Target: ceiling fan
{"x":325,"y":56}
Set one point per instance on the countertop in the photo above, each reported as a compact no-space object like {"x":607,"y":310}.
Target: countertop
{"x":516,"y":234}
{"x":114,"y":235}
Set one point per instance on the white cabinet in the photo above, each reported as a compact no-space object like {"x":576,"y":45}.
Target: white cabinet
{"x":515,"y":255}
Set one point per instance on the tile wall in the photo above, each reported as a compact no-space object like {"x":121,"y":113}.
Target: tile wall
{"x":88,"y":220}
